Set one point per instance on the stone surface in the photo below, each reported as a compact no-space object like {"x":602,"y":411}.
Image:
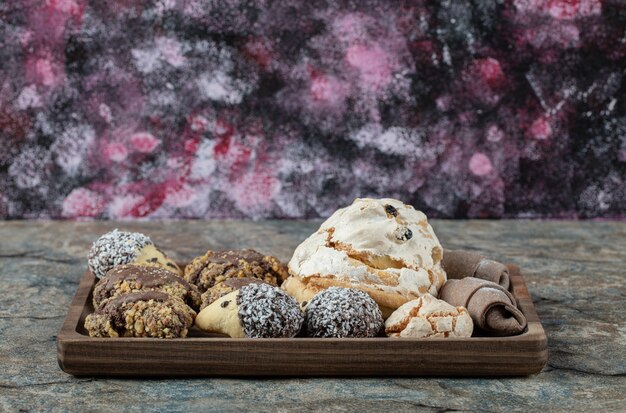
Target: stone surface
{"x":574,"y":270}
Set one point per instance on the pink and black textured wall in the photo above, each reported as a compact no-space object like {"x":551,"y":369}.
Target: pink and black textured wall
{"x":285,"y":109}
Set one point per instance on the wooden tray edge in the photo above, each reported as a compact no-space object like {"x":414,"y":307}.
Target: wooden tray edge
{"x":73,"y":347}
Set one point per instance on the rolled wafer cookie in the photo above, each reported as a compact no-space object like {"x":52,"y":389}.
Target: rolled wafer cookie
{"x":491,"y":306}
{"x":460,"y":264}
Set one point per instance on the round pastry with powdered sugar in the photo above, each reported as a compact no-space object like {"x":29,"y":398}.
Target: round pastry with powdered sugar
{"x":342,"y":312}
{"x":382,"y":247}
{"x":120,"y":247}
{"x":253,"y":311}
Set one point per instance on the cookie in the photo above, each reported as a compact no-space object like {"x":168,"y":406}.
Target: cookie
{"x":254,"y":311}
{"x":150,"y":255}
{"x":141,"y":314}
{"x":217,"y":266}
{"x":342,"y":312}
{"x":119,"y":247}
{"x":380,"y":246}
{"x":460,"y":264}
{"x":130,"y":278}
{"x":225,"y":287}
{"x":429,"y":317}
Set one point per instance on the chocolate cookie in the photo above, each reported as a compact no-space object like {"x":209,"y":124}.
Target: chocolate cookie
{"x":119,"y":247}
{"x":226,"y":287}
{"x":342,"y":312}
{"x":130,"y":278}
{"x":254,"y":311}
{"x":141,"y":314}
{"x":217,"y":266}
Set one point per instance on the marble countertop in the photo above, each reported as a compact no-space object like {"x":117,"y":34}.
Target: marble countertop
{"x":575,"y":271}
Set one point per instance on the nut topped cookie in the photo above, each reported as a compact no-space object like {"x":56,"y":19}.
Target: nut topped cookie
{"x":120,"y":247}
{"x":253,"y":311}
{"x":217,"y":266}
{"x":226,"y":287}
{"x":141,"y":314}
{"x":130,"y":278}
{"x":380,"y":246}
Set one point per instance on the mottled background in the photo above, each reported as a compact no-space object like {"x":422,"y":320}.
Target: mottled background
{"x":289,"y":109}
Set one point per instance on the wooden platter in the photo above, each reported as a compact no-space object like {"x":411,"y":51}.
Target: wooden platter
{"x":201,"y":354}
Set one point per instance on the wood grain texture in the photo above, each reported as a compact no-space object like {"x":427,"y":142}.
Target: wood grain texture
{"x":199,"y":355}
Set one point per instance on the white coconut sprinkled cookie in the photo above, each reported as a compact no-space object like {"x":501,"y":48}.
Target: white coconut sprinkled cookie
{"x":253,"y":311}
{"x":120,"y":247}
